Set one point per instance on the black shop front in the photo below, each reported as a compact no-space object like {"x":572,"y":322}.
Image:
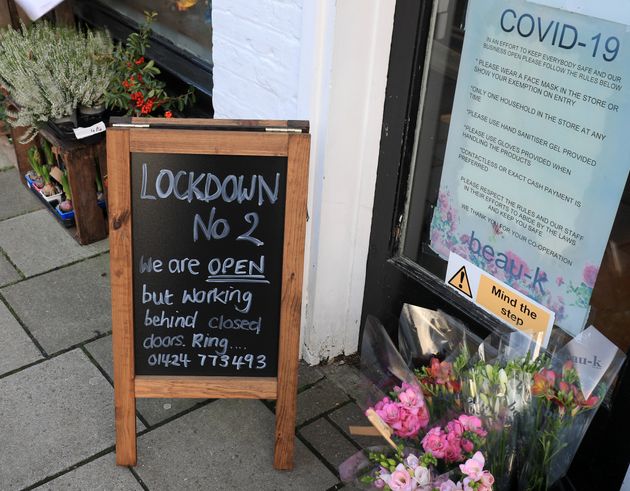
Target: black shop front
{"x":502,"y":143}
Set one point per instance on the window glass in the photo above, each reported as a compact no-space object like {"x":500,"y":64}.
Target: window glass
{"x":610,"y":300}
{"x":185,"y":23}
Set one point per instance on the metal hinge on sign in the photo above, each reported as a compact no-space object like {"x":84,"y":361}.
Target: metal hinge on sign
{"x":283,"y":130}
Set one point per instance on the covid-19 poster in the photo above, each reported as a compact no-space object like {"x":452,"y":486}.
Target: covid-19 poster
{"x":537,"y":154}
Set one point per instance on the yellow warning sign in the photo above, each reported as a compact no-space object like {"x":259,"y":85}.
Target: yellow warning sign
{"x":513,"y":308}
{"x":460,"y":281}
{"x":499,"y":299}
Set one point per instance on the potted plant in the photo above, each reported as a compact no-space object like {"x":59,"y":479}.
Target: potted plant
{"x":34,"y":177}
{"x":49,"y":71}
{"x":135,"y":89}
{"x":65,"y":208}
{"x":50,"y":191}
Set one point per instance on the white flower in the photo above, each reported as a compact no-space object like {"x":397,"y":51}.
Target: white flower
{"x":412,"y":461}
{"x":422,"y":476}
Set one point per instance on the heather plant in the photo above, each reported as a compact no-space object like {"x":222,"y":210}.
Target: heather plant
{"x":49,"y":71}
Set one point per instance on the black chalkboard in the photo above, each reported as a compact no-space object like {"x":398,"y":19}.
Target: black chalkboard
{"x":208,"y":234}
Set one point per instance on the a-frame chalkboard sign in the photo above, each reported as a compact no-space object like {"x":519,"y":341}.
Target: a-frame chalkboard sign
{"x":207,"y":223}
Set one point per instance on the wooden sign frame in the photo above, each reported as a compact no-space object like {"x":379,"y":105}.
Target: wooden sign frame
{"x":210,"y":137}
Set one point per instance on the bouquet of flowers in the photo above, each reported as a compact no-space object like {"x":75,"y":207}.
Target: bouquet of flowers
{"x":451,"y":405}
{"x":413,"y":473}
{"x":405,"y":411}
{"x":441,"y":385}
{"x":497,"y":387}
{"x":444,"y":448}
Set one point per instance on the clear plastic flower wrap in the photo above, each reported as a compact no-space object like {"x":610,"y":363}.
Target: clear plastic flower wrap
{"x":409,"y":469}
{"x":393,"y":395}
{"x":424,"y":334}
{"x":496,"y":386}
{"x":565,"y":398}
{"x":437,"y":347}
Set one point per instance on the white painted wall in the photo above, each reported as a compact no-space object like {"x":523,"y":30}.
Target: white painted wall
{"x":256,"y":54}
{"x":325,"y":61}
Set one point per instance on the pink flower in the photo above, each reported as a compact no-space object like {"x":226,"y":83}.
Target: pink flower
{"x":380,"y":404}
{"x":590,"y":275}
{"x":400,"y":479}
{"x":435,"y":442}
{"x":411,"y":397}
{"x":390,"y":413}
{"x":559,"y":281}
{"x":473,"y":468}
{"x":451,"y":486}
{"x":423,"y":416}
{"x":409,"y":424}
{"x":467,"y":445}
{"x":379,"y":483}
{"x":487,"y":479}
{"x":455,"y":427}
{"x":453,"y":453}
{"x":472,"y":423}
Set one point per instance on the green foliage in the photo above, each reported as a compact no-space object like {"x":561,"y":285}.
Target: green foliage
{"x":50,"y":70}
{"x":65,"y":184}
{"x":135,"y":87}
{"x":48,"y":154}
{"x":46,"y":175}
{"x":35,"y":159}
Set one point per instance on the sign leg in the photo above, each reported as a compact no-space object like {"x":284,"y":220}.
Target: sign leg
{"x":125,"y":414}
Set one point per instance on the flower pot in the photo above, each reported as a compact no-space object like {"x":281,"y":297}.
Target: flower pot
{"x":34,"y":181}
{"x":63,"y":127}
{"x":89,"y":116}
{"x":65,"y":215}
{"x":52,"y":197}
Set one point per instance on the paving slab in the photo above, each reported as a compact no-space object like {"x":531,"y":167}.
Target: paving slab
{"x":308,"y":375}
{"x":328,"y":441}
{"x":8,"y":274}
{"x":15,"y":199}
{"x":52,"y":416}
{"x":227,"y":444}
{"x":7,"y":153}
{"x":320,"y":398}
{"x":348,"y":378}
{"x":352,"y":415}
{"x":16,"y":348}
{"x":65,"y":307}
{"x":37,"y":243}
{"x":152,"y":410}
{"x":101,"y":474}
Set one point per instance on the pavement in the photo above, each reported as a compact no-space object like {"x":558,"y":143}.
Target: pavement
{"x":56,"y":391}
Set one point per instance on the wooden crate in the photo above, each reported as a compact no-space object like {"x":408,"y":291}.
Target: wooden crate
{"x":79,"y":159}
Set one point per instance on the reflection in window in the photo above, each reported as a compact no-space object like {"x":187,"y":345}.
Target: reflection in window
{"x":185,"y":23}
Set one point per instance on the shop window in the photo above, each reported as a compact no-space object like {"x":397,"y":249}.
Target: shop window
{"x":609,"y":306}
{"x":186,"y":23}
{"x":182,"y":35}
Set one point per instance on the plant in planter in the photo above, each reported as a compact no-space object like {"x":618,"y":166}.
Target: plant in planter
{"x":49,"y":71}
{"x":51,"y":190}
{"x":35,"y":176}
{"x":66,"y":205}
{"x":135,"y":89}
